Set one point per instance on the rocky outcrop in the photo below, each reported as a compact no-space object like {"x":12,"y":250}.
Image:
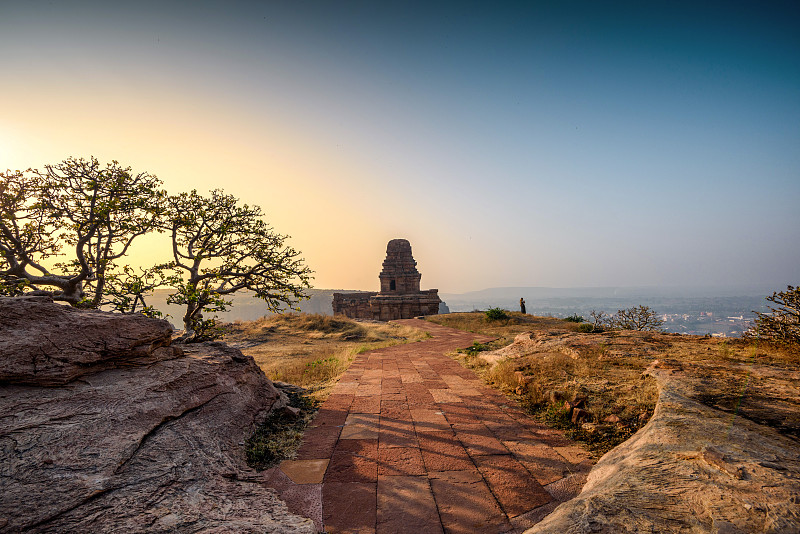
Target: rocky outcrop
{"x":104,"y":426}
{"x":692,"y":468}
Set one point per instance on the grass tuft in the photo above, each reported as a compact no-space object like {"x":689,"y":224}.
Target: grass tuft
{"x":278,"y":438}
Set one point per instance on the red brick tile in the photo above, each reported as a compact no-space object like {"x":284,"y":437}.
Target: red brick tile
{"x":442,"y":452}
{"x":329,"y":417}
{"x":543,"y":462}
{"x":371,"y":404}
{"x":353,"y":460}
{"x":318,"y":443}
{"x":465,"y":503}
{"x":394,"y":433}
{"x":349,"y":507}
{"x":511,"y":484}
{"x":393,"y":461}
{"x":406,"y":506}
{"x":478,"y":440}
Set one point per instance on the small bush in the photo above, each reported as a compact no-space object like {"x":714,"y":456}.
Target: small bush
{"x":574,"y":318}
{"x":586,"y":327}
{"x":781,"y":325}
{"x":475,"y":348}
{"x":496,"y":314}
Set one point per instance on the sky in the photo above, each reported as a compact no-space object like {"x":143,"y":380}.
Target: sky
{"x":555,"y":144}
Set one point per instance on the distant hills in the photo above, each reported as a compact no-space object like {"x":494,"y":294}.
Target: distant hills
{"x":721,"y":301}
{"x":246,"y":307}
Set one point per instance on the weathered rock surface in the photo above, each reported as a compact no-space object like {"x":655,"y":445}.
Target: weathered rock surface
{"x":139,"y":436}
{"x":46,"y":344}
{"x":690,"y":469}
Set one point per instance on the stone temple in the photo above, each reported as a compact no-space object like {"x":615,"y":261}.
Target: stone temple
{"x":400,"y":296}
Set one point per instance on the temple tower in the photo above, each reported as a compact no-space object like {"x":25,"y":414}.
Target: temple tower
{"x":399,"y":274}
{"x":400,"y":296}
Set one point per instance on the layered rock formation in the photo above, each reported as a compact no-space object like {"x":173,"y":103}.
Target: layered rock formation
{"x":690,"y":469}
{"x":104,"y":426}
{"x":400,"y":296}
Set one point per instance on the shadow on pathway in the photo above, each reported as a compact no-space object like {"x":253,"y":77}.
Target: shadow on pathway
{"x":411,"y":441}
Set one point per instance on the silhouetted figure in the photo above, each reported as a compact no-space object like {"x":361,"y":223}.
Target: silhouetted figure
{"x":522,"y":305}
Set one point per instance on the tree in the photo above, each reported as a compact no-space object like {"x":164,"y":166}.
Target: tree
{"x":126,"y":289}
{"x":95,"y":212}
{"x":599,"y":320}
{"x":220,"y":246}
{"x":636,"y":318}
{"x":781,"y":325}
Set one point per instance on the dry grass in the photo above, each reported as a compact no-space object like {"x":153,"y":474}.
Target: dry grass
{"x":504,"y":330}
{"x":312,"y":350}
{"x":735,"y":375}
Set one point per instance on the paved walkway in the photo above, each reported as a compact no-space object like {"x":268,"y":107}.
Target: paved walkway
{"x":411,"y":441}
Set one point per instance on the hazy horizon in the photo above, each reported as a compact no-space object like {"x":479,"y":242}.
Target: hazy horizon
{"x":513,"y":144}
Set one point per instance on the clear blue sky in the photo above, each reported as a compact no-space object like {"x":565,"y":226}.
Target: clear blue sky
{"x":514,"y":144}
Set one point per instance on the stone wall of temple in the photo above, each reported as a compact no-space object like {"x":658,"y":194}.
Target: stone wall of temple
{"x":400,"y":296}
{"x":353,"y":305}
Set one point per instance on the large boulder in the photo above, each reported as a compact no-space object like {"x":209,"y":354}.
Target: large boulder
{"x":106,"y":427}
{"x":692,"y":468}
{"x":45,"y":344}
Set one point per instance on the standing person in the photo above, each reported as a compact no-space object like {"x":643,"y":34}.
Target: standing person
{"x":522,"y":305}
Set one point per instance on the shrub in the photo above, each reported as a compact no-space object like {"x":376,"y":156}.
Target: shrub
{"x":475,"y":348}
{"x":781,"y":325}
{"x":496,"y":314}
{"x":586,"y":327}
{"x":637,"y":318}
{"x":574,"y":318}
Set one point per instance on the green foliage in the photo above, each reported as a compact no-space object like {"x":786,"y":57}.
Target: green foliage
{"x":574,"y":318}
{"x":586,"y":328}
{"x":90,"y":214}
{"x":781,"y":325}
{"x":496,"y":314}
{"x":475,"y":348}
{"x":221,"y":246}
{"x":79,"y":209}
{"x":127,"y":288}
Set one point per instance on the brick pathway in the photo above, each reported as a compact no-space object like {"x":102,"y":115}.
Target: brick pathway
{"x":411,"y":441}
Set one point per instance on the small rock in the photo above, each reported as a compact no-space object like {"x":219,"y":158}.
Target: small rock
{"x":290,"y":412}
{"x":611,"y":419}
{"x":591,"y":428}
{"x":579,"y":414}
{"x":578,"y":401}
